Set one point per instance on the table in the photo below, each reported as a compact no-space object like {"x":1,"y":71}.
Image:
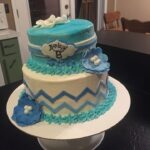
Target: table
{"x":138,"y":42}
{"x":132,"y":133}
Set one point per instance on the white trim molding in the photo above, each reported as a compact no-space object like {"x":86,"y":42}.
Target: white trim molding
{"x":115,"y":5}
{"x":105,"y":6}
{"x":22,"y":18}
{"x":71,"y":9}
{"x":100,"y":13}
{"x":72,"y":6}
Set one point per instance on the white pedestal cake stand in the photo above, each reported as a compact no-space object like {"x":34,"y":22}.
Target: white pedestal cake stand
{"x":79,"y":136}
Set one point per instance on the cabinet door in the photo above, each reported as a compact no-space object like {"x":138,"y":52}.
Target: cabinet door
{"x":2,"y":82}
{"x":13,"y":68}
{"x":0,"y":52}
{"x":10,"y":46}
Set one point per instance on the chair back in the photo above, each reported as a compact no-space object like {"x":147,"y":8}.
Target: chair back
{"x":112,"y":20}
{"x":135,"y":25}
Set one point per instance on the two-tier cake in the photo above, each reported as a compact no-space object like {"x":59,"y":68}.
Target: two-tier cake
{"x":66,"y":75}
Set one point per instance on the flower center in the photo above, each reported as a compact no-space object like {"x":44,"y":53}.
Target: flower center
{"x":27,"y":109}
{"x":95,"y":60}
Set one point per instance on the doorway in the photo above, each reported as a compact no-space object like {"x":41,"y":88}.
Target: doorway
{"x":87,"y":9}
{"x":42,"y":9}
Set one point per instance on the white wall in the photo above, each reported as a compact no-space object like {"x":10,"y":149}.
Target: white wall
{"x":23,"y":22}
{"x":100,"y":11}
{"x":134,"y":9}
{"x":70,"y":11}
{"x":111,"y":5}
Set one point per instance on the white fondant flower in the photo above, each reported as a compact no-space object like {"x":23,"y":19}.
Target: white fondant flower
{"x":52,"y":18}
{"x":51,"y":21}
{"x":39,"y":22}
{"x":60,"y":20}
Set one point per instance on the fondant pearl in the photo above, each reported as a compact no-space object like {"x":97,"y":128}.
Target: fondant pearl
{"x":97,"y":62}
{"x":27,"y":109}
{"x":94,"y":58}
{"x":30,"y":108}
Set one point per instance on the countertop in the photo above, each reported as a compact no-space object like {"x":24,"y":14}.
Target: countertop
{"x":132,"y":133}
{"x":7,"y":34}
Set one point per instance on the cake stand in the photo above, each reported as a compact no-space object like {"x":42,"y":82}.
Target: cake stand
{"x":81,"y":136}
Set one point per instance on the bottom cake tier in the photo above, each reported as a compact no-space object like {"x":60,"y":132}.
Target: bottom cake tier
{"x":66,"y":94}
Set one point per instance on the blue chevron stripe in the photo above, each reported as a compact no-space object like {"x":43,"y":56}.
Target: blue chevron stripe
{"x":64,"y":93}
{"x":65,"y":105}
{"x":81,"y":117}
{"x":68,"y":107}
{"x":31,"y":93}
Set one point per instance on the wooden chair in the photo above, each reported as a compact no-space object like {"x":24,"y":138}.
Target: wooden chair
{"x":112,"y":20}
{"x":135,"y":26}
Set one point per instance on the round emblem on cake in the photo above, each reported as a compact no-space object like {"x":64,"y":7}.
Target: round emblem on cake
{"x":58,"y":50}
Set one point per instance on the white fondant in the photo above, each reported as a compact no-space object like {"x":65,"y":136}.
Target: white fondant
{"x":93,"y":58}
{"x":97,"y":62}
{"x":86,"y":41}
{"x":58,"y":50}
{"x":54,"y":85}
{"x":27,"y":109}
{"x":60,"y":20}
{"x":76,"y":44}
{"x":45,"y":23}
{"x":51,"y":21}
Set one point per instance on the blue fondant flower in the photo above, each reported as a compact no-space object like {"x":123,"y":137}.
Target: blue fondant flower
{"x":95,"y":61}
{"x":27,"y":112}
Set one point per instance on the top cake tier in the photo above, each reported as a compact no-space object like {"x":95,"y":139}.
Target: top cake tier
{"x":62,"y":46}
{"x":75,"y":31}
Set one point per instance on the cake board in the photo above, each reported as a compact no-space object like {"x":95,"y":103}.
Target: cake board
{"x":91,"y":130}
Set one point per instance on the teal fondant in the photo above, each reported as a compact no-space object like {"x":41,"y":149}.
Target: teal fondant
{"x":52,"y":67}
{"x":84,"y":116}
{"x":91,"y":44}
{"x":76,"y":30}
{"x":80,"y":50}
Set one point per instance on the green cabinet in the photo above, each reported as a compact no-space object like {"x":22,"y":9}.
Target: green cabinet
{"x":10,"y":60}
{"x":10,"y":46}
{"x":0,"y":53}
